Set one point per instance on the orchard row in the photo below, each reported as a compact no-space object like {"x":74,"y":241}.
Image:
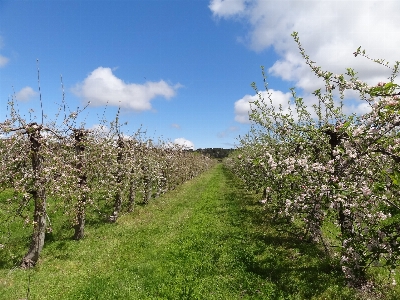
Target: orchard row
{"x":80,"y":168}
{"x":336,"y":175}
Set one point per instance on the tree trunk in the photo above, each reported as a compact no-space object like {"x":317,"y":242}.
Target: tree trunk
{"x":132,"y":196}
{"x":354,"y":263}
{"x":39,"y":230}
{"x":148,"y":189}
{"x":119,"y":176}
{"x":117,"y":206}
{"x":80,"y":220}
{"x":79,"y":226}
{"x":38,"y":193}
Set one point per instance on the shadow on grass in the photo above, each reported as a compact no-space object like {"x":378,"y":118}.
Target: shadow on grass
{"x":62,"y":231}
{"x":292,"y":265}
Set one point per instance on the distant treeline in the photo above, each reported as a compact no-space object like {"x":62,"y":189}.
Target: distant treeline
{"x":218,"y":153}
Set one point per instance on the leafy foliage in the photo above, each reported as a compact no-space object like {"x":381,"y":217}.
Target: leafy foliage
{"x":80,"y":168}
{"x":318,"y":166}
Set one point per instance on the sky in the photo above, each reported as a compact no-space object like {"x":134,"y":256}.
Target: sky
{"x":182,"y":70}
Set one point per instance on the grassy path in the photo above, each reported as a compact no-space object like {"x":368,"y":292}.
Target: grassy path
{"x":208,"y":239}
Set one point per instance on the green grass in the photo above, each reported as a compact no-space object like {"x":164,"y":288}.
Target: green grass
{"x":208,"y":239}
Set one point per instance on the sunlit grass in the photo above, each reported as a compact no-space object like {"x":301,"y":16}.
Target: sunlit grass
{"x":208,"y":239}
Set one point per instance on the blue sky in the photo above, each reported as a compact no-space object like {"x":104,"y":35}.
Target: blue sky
{"x":182,"y":69}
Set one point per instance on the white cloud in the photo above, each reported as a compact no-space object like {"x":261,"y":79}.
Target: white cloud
{"x":286,"y":102}
{"x":25,"y":94}
{"x":102,"y":87}
{"x":184,"y":143}
{"x":330,"y":31}
{"x":3,"y":60}
{"x":243,"y":106}
{"x":177,"y":126}
{"x":223,"y":8}
{"x":242,"y":109}
{"x":360,"y":109}
{"x":103,"y":130}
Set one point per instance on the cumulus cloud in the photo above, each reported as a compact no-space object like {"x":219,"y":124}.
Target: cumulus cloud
{"x":184,"y":143}
{"x":242,"y":109}
{"x":243,"y":105}
{"x":103,"y":130}
{"x":227,"y":7}
{"x":25,"y":94}
{"x":102,"y":87}
{"x":361,"y":108}
{"x":330,"y":32}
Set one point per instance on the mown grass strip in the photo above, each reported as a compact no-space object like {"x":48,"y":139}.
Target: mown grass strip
{"x":209,"y":239}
